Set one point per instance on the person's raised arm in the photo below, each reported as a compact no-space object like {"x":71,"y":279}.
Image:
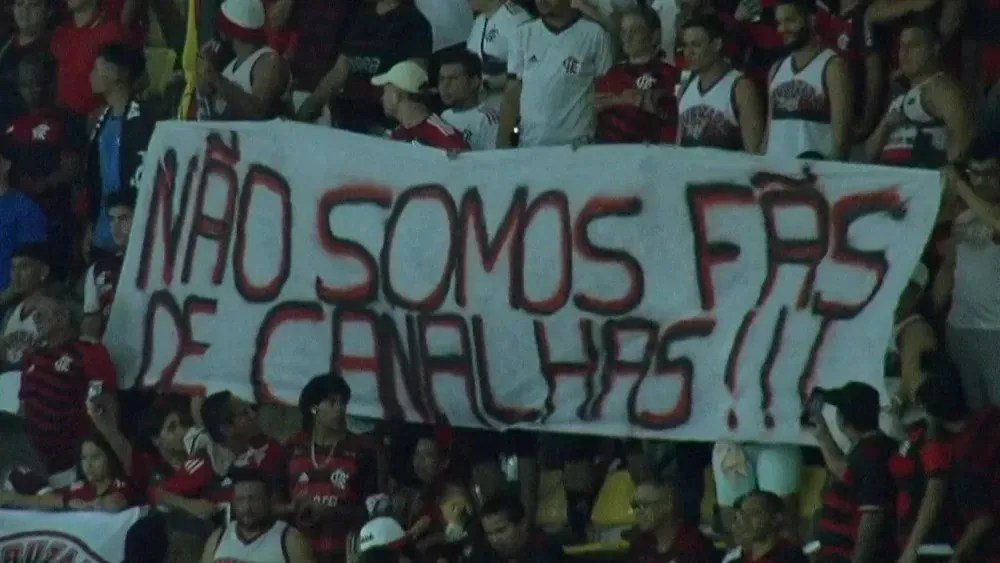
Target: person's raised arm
{"x":838,"y":82}
{"x":280,"y":13}
{"x":103,"y":412}
{"x":917,"y":339}
{"x":952,"y":13}
{"x":833,"y":457}
{"x":884,"y":11}
{"x":750,"y":114}
{"x":298,"y":548}
{"x":869,"y":535}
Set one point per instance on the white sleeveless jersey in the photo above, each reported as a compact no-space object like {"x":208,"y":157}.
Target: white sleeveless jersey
{"x":478,"y":125}
{"x":239,"y":73}
{"x":269,"y":547}
{"x":708,"y":118}
{"x":799,"y":109}
{"x":921,"y":140}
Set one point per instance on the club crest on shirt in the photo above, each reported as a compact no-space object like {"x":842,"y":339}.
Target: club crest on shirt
{"x":571,"y":65}
{"x":491,"y":35}
{"x":645,"y":82}
{"x":63,"y":364}
{"x":339,"y":479}
{"x":303,"y":479}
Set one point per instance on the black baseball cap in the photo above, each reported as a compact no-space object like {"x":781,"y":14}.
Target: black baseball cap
{"x":124,"y":197}
{"x":33,"y":250}
{"x":857,"y":402}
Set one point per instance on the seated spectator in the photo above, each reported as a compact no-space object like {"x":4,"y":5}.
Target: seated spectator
{"x":554,"y":66}
{"x":661,"y":534}
{"x":932,"y":122}
{"x":29,"y":37}
{"x":718,"y":107}
{"x":973,"y":323}
{"x":253,"y":84}
{"x":401,"y":88}
{"x":21,"y":221}
{"x":202,"y":486}
{"x":509,"y":535}
{"x":161,"y":436}
{"x":76,"y":45}
{"x":493,"y":39}
{"x":460,"y":80}
{"x":975,"y":465}
{"x":49,"y":146}
{"x":809,"y":90}
{"x":55,"y":383}
{"x":636,"y":100}
{"x":855,"y":519}
{"x":761,"y":516}
{"x":101,"y":280}
{"x":29,"y":269}
{"x":888,"y":18}
{"x":439,"y":481}
{"x":331,"y":471}
{"x":101,"y":484}
{"x":122,"y":133}
{"x":255,"y":534}
{"x":384,"y":33}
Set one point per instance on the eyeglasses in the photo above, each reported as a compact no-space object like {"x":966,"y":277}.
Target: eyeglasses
{"x":638,"y":504}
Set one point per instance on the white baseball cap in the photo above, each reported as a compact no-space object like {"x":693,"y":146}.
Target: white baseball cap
{"x":242,"y":19}
{"x":408,"y":76}
{"x":381,"y":532}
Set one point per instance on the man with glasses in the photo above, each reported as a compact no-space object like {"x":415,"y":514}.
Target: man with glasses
{"x":662,"y":533}
{"x":968,"y":275}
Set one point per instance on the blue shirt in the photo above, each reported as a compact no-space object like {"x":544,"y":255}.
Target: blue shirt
{"x":108,"y":151}
{"x":21,"y":221}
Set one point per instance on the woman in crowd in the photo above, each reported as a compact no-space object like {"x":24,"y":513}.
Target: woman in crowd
{"x":101,"y":484}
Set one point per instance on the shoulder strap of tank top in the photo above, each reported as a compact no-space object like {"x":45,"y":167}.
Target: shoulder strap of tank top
{"x":6,"y":46}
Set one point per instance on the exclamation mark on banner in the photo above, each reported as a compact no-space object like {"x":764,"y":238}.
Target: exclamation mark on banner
{"x":767,"y":395}
{"x":733,"y":364}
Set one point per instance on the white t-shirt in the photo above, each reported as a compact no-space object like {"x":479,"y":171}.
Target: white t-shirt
{"x":557,"y":69}
{"x":976,"y":297}
{"x":493,"y":37}
{"x":478,"y":125}
{"x":450,"y":21}
{"x":799,"y":117}
{"x":269,"y":547}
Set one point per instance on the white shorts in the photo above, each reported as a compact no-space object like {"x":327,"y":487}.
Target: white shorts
{"x":741,"y":468}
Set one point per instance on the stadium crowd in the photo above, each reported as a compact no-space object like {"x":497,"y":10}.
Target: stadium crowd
{"x":909,"y":83}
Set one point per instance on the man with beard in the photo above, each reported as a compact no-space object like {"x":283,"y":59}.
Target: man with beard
{"x":255,"y":535}
{"x":809,"y":90}
{"x":662,"y":533}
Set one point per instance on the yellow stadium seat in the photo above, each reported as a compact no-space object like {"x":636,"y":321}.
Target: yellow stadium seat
{"x":160,"y":64}
{"x":811,"y":491}
{"x":613,"y":506}
{"x":551,"y":501}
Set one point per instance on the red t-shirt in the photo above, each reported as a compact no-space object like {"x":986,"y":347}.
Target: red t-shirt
{"x":85,"y":492}
{"x":433,"y":132}
{"x":75,"y":50}
{"x":343,"y":476}
{"x":690,"y":546}
{"x":148,"y":470}
{"x":54,"y":385}
{"x":197,"y":477}
{"x":976,"y":475}
{"x":629,"y":124}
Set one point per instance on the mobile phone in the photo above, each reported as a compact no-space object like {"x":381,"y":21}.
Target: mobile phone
{"x":813,"y":408}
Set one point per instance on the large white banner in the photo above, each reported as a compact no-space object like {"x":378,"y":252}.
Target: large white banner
{"x":618,"y":290}
{"x":73,"y":537}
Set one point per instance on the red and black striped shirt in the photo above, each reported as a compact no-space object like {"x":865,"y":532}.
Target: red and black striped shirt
{"x":867,"y":485}
{"x":976,"y":476}
{"x":917,"y":460}
{"x":53,"y":393}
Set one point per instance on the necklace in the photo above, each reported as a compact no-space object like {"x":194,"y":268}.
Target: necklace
{"x":312,"y":454}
